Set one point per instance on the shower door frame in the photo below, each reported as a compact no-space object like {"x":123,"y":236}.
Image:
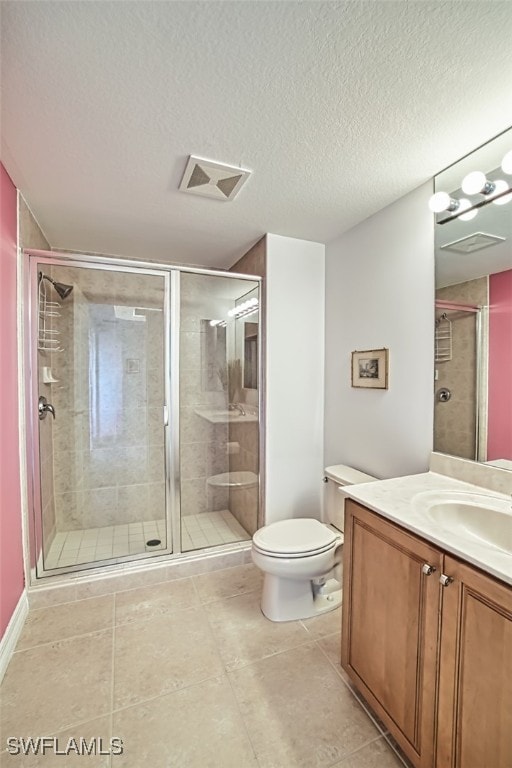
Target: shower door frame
{"x":171,"y":463}
{"x":171,"y":417}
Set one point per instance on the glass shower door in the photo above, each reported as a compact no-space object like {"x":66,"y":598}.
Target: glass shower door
{"x":102,"y":350}
{"x":219,"y":410}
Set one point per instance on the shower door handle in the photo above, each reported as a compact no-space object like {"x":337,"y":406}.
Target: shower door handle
{"x":45,"y":407}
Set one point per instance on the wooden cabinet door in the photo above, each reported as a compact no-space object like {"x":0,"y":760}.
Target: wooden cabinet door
{"x":475,"y":688}
{"x":390,"y":626}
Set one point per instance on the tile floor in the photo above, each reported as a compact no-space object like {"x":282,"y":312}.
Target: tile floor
{"x":92,"y":544}
{"x":189,"y":674}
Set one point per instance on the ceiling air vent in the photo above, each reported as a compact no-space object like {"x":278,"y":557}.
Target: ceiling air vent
{"x":476,"y":242}
{"x":204,"y":177}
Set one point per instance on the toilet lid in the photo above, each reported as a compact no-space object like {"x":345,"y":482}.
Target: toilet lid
{"x":292,"y":537}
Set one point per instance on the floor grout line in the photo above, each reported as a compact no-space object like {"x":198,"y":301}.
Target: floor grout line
{"x":245,"y":725}
{"x":113,"y":669}
{"x":362,"y":705}
{"x":115,"y":710}
{"x":62,"y":640}
{"x":354,"y":752}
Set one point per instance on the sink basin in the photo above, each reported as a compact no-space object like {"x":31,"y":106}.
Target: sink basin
{"x":224,"y":416}
{"x":486,"y":520}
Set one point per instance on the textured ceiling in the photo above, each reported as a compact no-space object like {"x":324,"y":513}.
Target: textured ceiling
{"x":338,"y":108}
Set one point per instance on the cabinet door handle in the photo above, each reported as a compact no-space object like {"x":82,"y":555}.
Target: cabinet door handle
{"x":427,"y":569}
{"x":444,"y":580}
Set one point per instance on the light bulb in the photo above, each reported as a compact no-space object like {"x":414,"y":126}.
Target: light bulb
{"x":506,"y":165}
{"x":440,"y":202}
{"x":464,"y":204}
{"x":475,"y":183}
{"x":501,"y":186}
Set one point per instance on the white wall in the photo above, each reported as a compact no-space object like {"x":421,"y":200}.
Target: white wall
{"x":295,"y":313}
{"x":380,"y":293}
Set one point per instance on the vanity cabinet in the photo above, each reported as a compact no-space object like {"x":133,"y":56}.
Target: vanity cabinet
{"x":434,"y":662}
{"x":390,"y":626}
{"x":475,"y":680}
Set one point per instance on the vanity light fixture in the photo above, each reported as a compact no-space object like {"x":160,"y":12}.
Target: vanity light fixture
{"x":498,"y":192}
{"x":246,"y":308}
{"x":442,"y":201}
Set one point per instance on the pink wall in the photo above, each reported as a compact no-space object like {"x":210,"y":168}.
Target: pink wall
{"x":499,"y":439}
{"x":11,"y":553}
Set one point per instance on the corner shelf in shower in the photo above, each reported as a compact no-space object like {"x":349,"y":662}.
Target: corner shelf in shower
{"x":48,"y":377}
{"x":242,"y":479}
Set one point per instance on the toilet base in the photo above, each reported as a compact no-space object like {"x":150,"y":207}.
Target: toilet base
{"x":290,"y":600}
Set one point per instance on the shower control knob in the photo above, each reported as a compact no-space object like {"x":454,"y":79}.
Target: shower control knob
{"x":45,"y":407}
{"x":443,"y":395}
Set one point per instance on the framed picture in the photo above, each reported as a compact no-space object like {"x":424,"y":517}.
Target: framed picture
{"x":370,"y":368}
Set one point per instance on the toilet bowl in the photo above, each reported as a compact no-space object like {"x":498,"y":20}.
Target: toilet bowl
{"x":301,"y":558}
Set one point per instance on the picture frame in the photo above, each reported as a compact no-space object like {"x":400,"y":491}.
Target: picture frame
{"x":370,"y":368}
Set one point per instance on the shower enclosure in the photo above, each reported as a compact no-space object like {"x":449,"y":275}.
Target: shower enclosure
{"x":142,"y":410}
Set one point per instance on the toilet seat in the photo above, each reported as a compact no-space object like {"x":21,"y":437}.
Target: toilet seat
{"x":300,"y":537}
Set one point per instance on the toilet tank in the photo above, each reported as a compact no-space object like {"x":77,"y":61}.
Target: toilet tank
{"x":334,"y":500}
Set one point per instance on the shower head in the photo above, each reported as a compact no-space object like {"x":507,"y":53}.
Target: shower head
{"x":62,"y":289}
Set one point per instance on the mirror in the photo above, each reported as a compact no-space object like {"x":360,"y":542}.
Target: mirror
{"x":473,"y":316}
{"x":246,"y":339}
{"x":213,"y":356}
{"x":229,"y":342}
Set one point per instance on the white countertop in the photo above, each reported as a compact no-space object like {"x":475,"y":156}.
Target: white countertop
{"x":394,"y":499}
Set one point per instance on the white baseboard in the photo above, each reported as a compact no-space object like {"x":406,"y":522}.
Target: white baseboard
{"x":12,"y":632}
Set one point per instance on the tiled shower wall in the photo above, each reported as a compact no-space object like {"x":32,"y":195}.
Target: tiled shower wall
{"x":243,"y":503}
{"x":455,"y":420}
{"x":108,"y":433}
{"x":203,"y":445}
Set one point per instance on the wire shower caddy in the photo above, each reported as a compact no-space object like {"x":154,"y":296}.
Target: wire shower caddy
{"x":47,"y":335}
{"x":443,"y":339}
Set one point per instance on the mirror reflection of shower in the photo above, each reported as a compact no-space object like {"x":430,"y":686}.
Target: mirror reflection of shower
{"x":459,"y":420}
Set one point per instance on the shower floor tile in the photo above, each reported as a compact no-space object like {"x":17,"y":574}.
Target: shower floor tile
{"x":210,"y":529}
{"x":91,"y":544}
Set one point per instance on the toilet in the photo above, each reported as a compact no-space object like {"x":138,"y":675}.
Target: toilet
{"x":301,"y":558}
